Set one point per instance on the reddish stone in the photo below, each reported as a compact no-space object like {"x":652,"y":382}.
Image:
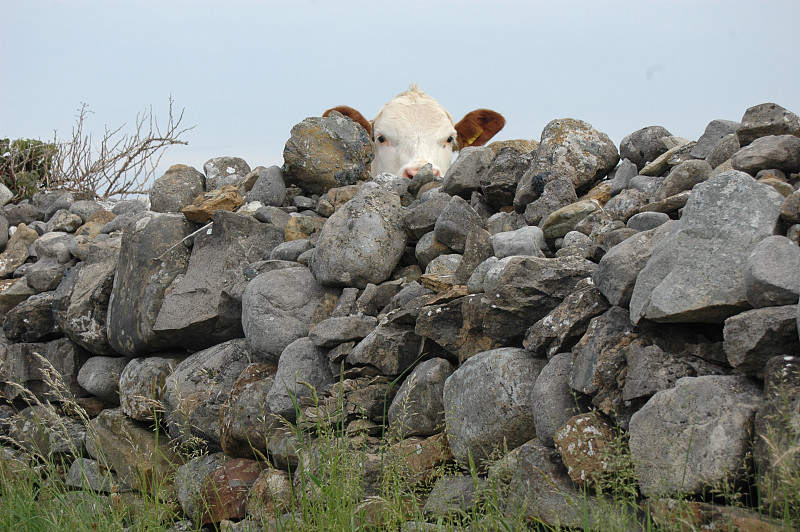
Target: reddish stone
{"x":225,"y":490}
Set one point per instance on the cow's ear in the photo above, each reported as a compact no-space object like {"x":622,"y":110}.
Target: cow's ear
{"x":353,"y":115}
{"x":478,"y":127}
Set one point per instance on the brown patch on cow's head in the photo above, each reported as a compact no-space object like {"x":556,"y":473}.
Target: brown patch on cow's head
{"x":353,"y":115}
{"x":478,"y":127}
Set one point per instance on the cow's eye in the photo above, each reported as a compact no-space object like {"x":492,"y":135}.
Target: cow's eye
{"x":381,"y":139}
{"x":450,"y":140}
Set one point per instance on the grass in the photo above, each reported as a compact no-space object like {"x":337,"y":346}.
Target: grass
{"x":352,"y":481}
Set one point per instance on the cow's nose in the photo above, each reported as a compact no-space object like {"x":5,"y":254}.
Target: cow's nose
{"x":412,"y":171}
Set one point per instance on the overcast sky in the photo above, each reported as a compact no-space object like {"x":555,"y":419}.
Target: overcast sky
{"x":246,"y":71}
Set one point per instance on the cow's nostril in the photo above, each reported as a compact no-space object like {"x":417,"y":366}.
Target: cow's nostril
{"x":409,"y":173}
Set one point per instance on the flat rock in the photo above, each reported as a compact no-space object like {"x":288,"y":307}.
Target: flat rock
{"x":755,"y":336}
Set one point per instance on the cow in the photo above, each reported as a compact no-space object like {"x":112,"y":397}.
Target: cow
{"x":412,"y":130}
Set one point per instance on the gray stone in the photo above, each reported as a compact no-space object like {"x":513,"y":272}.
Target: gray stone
{"x":290,"y":250}
{"x":3,"y":230}
{"x":28,"y":365}
{"x":32,"y":320}
{"x":499,"y":181}
{"x":683,"y":177}
{"x":455,"y":222}
{"x":561,"y":221}
{"x":142,"y":383}
{"x":189,"y":480}
{"x":197,"y":388}
{"x":417,"y":409}
{"x":553,"y":400}
{"x":5,"y":195}
{"x":100,"y":377}
{"x":54,"y":258}
{"x":755,"y":336}
{"x":501,"y":222}
{"x":678,"y":152}
{"x":80,"y":303}
{"x":566,"y":324}
{"x":65,"y":221}
{"x":715,"y":131}
{"x":88,"y":474}
{"x":22,"y":213}
{"x":301,"y":364}
{"x":697,"y":272}
{"x":452,"y":494}
{"x":770,"y":273}
{"x":148,"y":264}
{"x":269,"y":188}
{"x":644,"y":145}
{"x":443,"y":265}
{"x":176,"y":189}
{"x":525,"y":241}
{"x":85,"y":209}
{"x":645,"y":221}
{"x":273,"y":215}
{"x":246,"y":421}
{"x":675,"y":439}
{"x":375,"y":297}
{"x":335,"y":331}
{"x":391,"y":348}
{"x":646,"y":184}
{"x":767,"y":119}
{"x":475,"y":283}
{"x":40,"y":429}
{"x":323,"y":153}
{"x":625,"y":204}
{"x":781,"y":152}
{"x":464,"y":176}
{"x":617,"y":271}
{"x":477,"y":248}
{"x":361,"y":242}
{"x":204,"y":306}
{"x":428,"y":248}
{"x":224,"y":171}
{"x":575,"y":244}
{"x":621,"y":176}
{"x":17,"y":250}
{"x":488,"y":404}
{"x":723,"y":151}
{"x":421,"y":219}
{"x":278,"y":307}
{"x":575,"y":148}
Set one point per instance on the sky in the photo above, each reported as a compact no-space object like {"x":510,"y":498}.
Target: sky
{"x":244,"y":72}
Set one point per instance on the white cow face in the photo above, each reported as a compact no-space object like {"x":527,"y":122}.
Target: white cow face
{"x":413,"y":130}
{"x":410,"y":131}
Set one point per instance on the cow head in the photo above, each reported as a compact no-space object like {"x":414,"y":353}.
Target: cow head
{"x":412,"y":130}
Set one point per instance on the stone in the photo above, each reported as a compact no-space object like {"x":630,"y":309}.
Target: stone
{"x":645,"y":221}
{"x":428,"y":248}
{"x":141,"y":458}
{"x":100,"y":377}
{"x":477,"y":248}
{"x":674,"y":438}
{"x":64,"y":221}
{"x":176,"y":189}
{"x":499,"y":181}
{"x":269,"y":187}
{"x":723,"y":152}
{"x":324,"y":153}
{"x":278,"y":307}
{"x":561,"y":328}
{"x":419,"y":458}
{"x":40,"y":430}
{"x":80,"y":303}
{"x":300,"y":365}
{"x":198,"y":387}
{"x":619,"y":268}
{"x":87,"y":474}
{"x":621,"y":176}
{"x":53,"y":259}
{"x":142,"y":383}
{"x":270,"y":495}
{"x":30,"y":366}
{"x":502,"y":222}
{"x":204,"y":306}
{"x":455,"y":222}
{"x":781,"y":152}
{"x":362,"y":242}
{"x":488,"y":404}
{"x":88,"y":210}
{"x":189,"y":481}
{"x":417,"y":409}
{"x":291,"y":250}
{"x":452,"y":494}
{"x":586,"y":445}
{"x":421,"y":219}
{"x":151,"y":256}
{"x":626,"y":204}
{"x":715,"y":131}
{"x":575,"y":148}
{"x":755,"y":336}
{"x":683,"y":177}
{"x":22,"y":213}
{"x":702,"y":261}
{"x":769,"y":273}
{"x":790,"y":210}
{"x":374,"y":298}
{"x":525,"y":241}
{"x":554,"y":403}
{"x":644,"y":145}
{"x":679,"y":149}
{"x":225,"y":489}
{"x":391,"y":348}
{"x":334,"y":331}
{"x":464,"y":176}
{"x":767,"y":119}
{"x":32,"y":320}
{"x":225,"y":171}
{"x":204,"y":206}
{"x":16,"y":252}
{"x":245,"y":419}
{"x":13,"y":292}
{"x":563,"y":220}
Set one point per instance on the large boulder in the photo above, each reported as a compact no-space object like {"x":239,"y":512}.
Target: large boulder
{"x":302,"y":366}
{"x":695,"y":435}
{"x":323,"y":153}
{"x":204,"y":306}
{"x":151,"y":257}
{"x":417,"y":409}
{"x":361,"y":242}
{"x":488,"y":403}
{"x":696,"y":273}
{"x":770,"y":273}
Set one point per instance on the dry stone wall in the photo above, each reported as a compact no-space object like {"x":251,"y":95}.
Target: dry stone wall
{"x":537,"y":299}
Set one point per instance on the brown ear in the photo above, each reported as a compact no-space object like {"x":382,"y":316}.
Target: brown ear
{"x":478,"y":127}
{"x":353,"y":115}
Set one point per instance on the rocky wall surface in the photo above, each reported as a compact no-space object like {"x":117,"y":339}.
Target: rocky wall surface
{"x":524,"y":301}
